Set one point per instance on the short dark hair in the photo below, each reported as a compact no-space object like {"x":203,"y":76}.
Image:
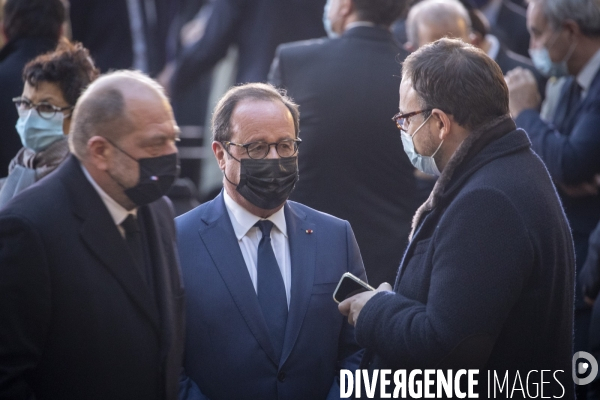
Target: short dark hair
{"x":69,"y":66}
{"x":460,"y":80}
{"x":33,"y":18}
{"x":380,"y":12}
{"x":221,"y":119}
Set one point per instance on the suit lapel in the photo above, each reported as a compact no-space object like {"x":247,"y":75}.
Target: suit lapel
{"x":303,"y":249}
{"x":102,"y":237}
{"x":220,"y":241}
{"x":159,"y":251}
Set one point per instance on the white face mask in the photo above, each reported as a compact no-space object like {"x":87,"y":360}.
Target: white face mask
{"x":541,"y":59}
{"x":38,"y":133}
{"x":327,"y":22}
{"x":425,"y":164}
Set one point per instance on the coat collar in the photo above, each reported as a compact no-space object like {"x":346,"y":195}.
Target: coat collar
{"x":30,"y":47}
{"x":102,"y":237}
{"x":218,"y":236}
{"x":489,"y":142}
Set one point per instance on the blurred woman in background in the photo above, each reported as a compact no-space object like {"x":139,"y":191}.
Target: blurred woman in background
{"x":53,"y":83}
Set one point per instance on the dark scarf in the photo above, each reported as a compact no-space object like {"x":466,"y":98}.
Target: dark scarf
{"x":468,"y":149}
{"x":44,"y":161}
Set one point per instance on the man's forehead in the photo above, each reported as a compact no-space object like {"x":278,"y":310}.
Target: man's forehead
{"x":536,"y":20}
{"x":407,"y":94}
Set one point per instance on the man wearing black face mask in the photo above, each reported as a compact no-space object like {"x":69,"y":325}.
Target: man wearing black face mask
{"x":91,"y":300}
{"x":260,"y":271}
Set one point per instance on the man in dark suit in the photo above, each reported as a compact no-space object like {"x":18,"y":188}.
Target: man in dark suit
{"x":259,"y":270}
{"x":91,"y":299}
{"x":123,"y":34}
{"x":352,"y":163}
{"x":567,"y":42}
{"x":256,"y":27}
{"x":486,"y":282}
{"x":31,"y":28}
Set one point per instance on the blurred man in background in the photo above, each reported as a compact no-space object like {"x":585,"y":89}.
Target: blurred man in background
{"x":31,"y":28}
{"x":565,"y":41}
{"x":352,"y":162}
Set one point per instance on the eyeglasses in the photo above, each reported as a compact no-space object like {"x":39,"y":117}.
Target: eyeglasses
{"x":45,"y":110}
{"x":259,"y":150}
{"x":402,"y":120}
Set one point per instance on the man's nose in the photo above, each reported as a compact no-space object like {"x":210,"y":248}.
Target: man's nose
{"x":272,"y":152}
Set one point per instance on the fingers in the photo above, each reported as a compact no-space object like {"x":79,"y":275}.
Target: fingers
{"x":344,"y":307}
{"x":384,"y":287}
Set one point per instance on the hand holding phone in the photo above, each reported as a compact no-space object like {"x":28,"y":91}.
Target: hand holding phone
{"x":349,"y":286}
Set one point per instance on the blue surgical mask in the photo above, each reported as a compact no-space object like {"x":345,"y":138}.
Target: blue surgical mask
{"x":327,"y":22}
{"x":38,"y":133}
{"x":541,"y":59}
{"x":425,"y":164}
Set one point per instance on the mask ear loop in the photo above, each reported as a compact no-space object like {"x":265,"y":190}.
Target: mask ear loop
{"x":223,"y":170}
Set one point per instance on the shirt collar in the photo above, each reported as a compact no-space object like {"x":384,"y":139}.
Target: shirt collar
{"x":243,"y":220}
{"x":117,"y":211}
{"x":359,"y":23}
{"x":494,"y":46}
{"x":589,"y":71}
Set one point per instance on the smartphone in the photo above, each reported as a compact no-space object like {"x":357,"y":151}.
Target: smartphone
{"x":348,"y":286}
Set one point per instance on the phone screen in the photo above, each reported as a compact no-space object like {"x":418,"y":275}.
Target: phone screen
{"x":348,"y":287}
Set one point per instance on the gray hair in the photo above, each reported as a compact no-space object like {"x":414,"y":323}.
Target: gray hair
{"x":221,"y":119}
{"x":433,"y":12}
{"x":586,"y":13}
{"x":101,"y":109}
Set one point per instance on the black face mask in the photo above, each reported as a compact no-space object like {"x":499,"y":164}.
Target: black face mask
{"x":157,"y":174}
{"x":267,"y":183}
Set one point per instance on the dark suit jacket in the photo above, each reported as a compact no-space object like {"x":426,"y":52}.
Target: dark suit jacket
{"x":352,"y":163}
{"x":511,"y":28}
{"x":487,"y":281}
{"x":228,"y":353}
{"x":78,"y":321}
{"x":509,"y":60}
{"x":13,"y":57}
{"x":571,"y":150}
{"x":256,"y":27}
{"x":103,"y":27}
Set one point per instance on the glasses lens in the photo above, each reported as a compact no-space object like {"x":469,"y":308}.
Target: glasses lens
{"x":22,"y":105}
{"x":287,"y":148}
{"x":258,"y":150}
{"x":46,"y":111}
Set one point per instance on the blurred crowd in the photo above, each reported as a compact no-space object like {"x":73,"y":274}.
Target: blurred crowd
{"x":340,"y":61}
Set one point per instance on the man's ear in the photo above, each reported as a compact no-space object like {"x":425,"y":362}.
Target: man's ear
{"x":346,"y":7}
{"x":98,"y":152}
{"x":442,"y":122}
{"x":572,"y":27}
{"x":219,"y":153}
{"x":3,"y":32}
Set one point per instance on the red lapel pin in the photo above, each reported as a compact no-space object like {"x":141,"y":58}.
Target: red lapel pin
{"x":309,"y":231}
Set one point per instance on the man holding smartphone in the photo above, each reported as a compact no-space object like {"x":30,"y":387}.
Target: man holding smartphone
{"x":487,"y":279}
{"x":260,"y":271}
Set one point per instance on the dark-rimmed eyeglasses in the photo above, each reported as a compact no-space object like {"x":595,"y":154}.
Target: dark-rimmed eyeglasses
{"x":258,"y":150}
{"x":402,"y":120}
{"x":44,"y":109}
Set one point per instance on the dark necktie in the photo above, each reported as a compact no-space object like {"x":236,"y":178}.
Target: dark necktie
{"x":271,"y":289}
{"x":133,"y":237}
{"x":571,"y":101}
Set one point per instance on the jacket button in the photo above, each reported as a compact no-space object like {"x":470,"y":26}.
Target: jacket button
{"x":281,"y":376}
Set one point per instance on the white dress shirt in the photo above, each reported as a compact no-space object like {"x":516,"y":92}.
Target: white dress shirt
{"x":116,"y":211}
{"x":249,"y":236}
